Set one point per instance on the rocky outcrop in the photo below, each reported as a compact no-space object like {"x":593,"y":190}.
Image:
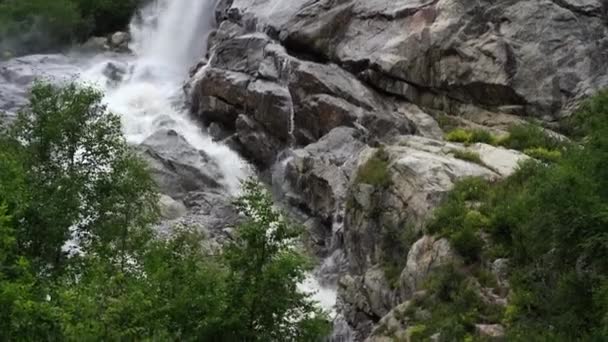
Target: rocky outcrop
{"x":177,"y":167}
{"x":271,"y":100}
{"x":526,"y":57}
{"x":426,"y":255}
{"x":315,"y":91}
{"x":421,"y":172}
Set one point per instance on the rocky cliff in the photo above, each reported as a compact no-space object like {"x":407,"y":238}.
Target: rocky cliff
{"x":347,"y":101}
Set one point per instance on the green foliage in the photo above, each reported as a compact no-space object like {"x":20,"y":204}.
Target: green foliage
{"x":395,"y":244}
{"x":76,"y":169}
{"x":483,"y":136}
{"x":265,"y":269}
{"x":376,"y":170}
{"x":467,"y":136}
{"x":470,"y":156}
{"x":447,"y":122}
{"x":450,"y":216}
{"x":459,"y":135}
{"x":456,"y":220}
{"x":38,"y":25}
{"x":591,"y":116}
{"x":454,"y":305}
{"x":550,"y":220}
{"x":101,"y":17}
{"x":66,"y":172}
{"x":542,"y":154}
{"x":528,"y":136}
{"x":24,"y":315}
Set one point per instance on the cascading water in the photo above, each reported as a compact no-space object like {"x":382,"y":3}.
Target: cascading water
{"x":168,"y":37}
{"x":145,"y":88}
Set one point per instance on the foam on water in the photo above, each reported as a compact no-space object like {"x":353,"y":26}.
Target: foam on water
{"x":168,"y":37}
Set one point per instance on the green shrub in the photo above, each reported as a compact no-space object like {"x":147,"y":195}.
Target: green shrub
{"x":459,"y":135}
{"x":528,"y":136}
{"x":396,"y":243}
{"x":590,"y":117}
{"x":376,"y":170}
{"x":543,"y":154}
{"x":469,"y":156}
{"x":483,"y":136}
{"x":454,"y":305}
{"x":467,"y":243}
{"x":450,"y":216}
{"x":447,"y":122}
{"x":417,"y":332}
{"x":467,"y":136}
{"x":550,"y":220}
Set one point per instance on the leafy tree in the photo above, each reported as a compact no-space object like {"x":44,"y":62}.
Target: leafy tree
{"x":28,"y":26}
{"x":264,"y":272}
{"x":25,"y":313}
{"x":66,"y":173}
{"x":78,"y":179}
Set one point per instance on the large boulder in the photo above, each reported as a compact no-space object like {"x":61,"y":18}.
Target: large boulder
{"x":119,"y":41}
{"x":177,"y":167}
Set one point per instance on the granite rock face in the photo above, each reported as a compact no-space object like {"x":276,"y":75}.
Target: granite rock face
{"x":529,"y":57}
{"x":312,"y":91}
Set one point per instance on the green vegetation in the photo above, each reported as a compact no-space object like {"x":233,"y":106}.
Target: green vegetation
{"x":459,"y":222}
{"x":395,"y":245}
{"x":542,"y":154}
{"x":67,"y":174}
{"x":376,"y":170}
{"x":454,"y":305}
{"x":551,"y":221}
{"x":471,"y":136}
{"x":39,"y":25}
{"x":447,"y":122}
{"x":528,"y":136}
{"x":470,"y":156}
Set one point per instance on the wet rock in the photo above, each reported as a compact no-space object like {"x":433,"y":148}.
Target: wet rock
{"x":255,"y":143}
{"x":171,"y":209}
{"x":321,"y":172}
{"x":119,"y":41}
{"x":114,"y":72}
{"x":177,"y":167}
{"x":293,"y":101}
{"x":95,"y":44}
{"x":18,"y":74}
{"x":393,"y":326}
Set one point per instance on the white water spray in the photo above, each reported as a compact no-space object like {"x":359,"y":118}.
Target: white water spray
{"x":168,"y":37}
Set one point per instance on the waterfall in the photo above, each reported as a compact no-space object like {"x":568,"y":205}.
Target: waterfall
{"x":168,"y":37}
{"x":173,"y":32}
